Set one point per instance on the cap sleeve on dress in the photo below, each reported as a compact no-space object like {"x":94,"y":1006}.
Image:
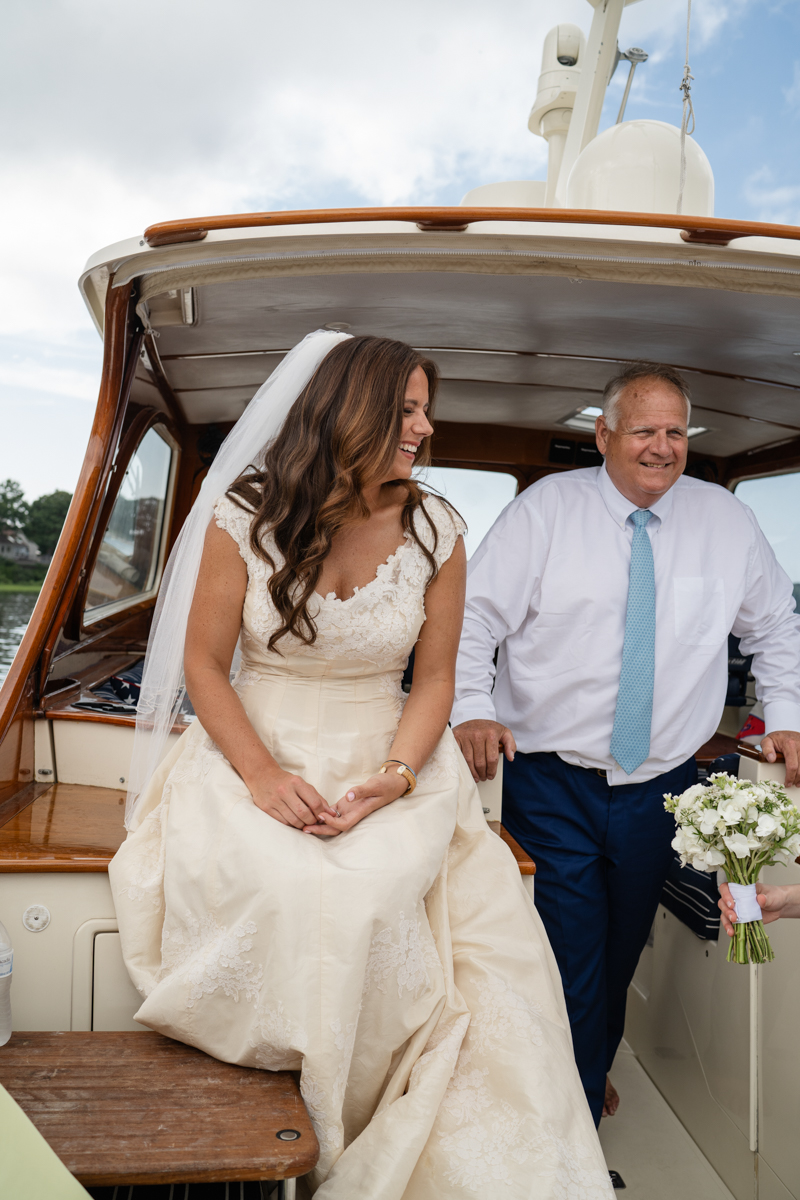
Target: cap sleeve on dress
{"x":236,"y":522}
{"x":449,"y":527}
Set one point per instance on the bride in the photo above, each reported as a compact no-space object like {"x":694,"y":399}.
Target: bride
{"x":309,"y":882}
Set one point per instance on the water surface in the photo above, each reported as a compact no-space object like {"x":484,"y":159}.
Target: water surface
{"x":15,"y":612}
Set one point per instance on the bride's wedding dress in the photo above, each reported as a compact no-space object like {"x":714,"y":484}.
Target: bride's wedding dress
{"x":401,"y":967}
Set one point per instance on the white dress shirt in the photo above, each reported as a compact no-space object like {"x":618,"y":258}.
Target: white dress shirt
{"x":549,"y":586}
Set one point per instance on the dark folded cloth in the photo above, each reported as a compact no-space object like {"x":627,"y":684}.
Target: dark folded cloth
{"x":692,"y":897}
{"x":124,"y":687}
{"x":118,"y":694}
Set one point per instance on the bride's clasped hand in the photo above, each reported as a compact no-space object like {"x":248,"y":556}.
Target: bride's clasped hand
{"x":358,"y":803}
{"x":292,"y":801}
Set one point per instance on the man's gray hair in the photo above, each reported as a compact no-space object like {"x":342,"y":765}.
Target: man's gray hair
{"x":634,"y":372}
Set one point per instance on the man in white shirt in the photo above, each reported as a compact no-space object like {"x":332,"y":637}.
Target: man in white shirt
{"x":610,"y":593}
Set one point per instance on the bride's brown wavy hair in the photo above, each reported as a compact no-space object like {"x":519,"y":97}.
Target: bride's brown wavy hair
{"x":340,"y":436}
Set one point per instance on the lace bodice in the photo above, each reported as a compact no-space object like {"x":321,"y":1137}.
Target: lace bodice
{"x":377,"y":626}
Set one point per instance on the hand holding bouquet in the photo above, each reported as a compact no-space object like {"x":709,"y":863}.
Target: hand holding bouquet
{"x":741,"y":826}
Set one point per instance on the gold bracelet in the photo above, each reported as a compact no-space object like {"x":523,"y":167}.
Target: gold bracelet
{"x":408,"y":773}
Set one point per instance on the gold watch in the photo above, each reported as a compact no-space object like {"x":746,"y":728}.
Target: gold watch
{"x":403,"y":769}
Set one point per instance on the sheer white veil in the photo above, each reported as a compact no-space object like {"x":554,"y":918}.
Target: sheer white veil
{"x":163,"y":686}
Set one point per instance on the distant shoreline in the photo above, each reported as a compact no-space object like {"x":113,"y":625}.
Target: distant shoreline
{"x":30,"y":588}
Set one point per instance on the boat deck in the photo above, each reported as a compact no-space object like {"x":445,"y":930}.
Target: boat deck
{"x":648,"y":1147}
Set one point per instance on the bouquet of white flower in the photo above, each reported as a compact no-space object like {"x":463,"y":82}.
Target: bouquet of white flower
{"x":741,"y":826}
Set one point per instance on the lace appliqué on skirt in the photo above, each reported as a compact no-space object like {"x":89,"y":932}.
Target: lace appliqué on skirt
{"x":501,"y":1013}
{"x":207,"y":956}
{"x":409,"y":959}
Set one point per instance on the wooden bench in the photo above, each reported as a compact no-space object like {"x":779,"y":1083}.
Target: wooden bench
{"x":128,"y":1108}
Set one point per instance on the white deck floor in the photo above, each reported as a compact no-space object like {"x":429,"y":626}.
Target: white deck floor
{"x":646,"y":1143}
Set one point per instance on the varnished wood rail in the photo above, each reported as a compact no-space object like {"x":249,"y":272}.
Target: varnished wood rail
{"x":715,"y":231}
{"x":17,"y":694}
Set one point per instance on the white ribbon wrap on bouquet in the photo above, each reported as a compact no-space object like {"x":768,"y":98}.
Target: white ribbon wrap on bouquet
{"x":747,"y":906}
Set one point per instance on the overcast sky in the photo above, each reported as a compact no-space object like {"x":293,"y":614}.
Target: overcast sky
{"x":118,"y":115}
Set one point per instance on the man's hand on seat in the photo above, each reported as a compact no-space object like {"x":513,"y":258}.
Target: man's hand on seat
{"x":481,"y":743}
{"x":787,"y":743}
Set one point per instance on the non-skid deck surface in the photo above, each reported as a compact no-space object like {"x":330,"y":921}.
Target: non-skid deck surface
{"x":128,"y":1108}
{"x":646,"y":1143}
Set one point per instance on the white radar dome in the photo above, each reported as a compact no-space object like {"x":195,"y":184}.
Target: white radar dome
{"x":635,"y":167}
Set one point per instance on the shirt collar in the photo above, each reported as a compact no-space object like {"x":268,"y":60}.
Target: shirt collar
{"x":621,"y":508}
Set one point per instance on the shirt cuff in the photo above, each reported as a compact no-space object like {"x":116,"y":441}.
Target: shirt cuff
{"x":781,"y":714}
{"x":472,"y":708}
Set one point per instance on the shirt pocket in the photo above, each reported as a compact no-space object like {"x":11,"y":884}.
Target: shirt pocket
{"x":699,"y":610}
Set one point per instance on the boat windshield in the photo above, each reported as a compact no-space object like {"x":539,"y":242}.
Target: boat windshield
{"x":129,"y":557}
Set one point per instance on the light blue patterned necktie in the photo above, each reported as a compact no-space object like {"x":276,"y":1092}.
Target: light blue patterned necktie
{"x":630,"y":741}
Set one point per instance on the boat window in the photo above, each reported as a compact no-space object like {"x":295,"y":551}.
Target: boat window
{"x":129,"y":561}
{"x":775,"y":500}
{"x":480,"y":496}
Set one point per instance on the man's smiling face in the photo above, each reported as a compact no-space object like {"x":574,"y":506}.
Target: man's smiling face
{"x":646,"y":452}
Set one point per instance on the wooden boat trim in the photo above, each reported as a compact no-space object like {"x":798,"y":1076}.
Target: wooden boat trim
{"x":129,"y":357}
{"x":106,"y":718}
{"x":715,"y":231}
{"x":64,"y":827}
{"x":91,"y":864}
{"x":123,"y":334}
{"x":523,"y":860}
{"x":748,"y":751}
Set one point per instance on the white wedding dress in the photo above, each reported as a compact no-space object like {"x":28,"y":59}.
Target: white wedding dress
{"x":401,"y":967}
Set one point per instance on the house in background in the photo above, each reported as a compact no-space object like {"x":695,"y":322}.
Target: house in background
{"x":14,"y":545}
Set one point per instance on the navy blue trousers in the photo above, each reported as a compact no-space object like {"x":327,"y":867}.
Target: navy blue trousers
{"x":602,"y":855}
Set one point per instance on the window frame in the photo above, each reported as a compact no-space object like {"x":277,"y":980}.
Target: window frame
{"x":732,"y":484}
{"x":146,"y":421}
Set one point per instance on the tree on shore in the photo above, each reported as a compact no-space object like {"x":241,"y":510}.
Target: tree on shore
{"x":13,"y":507}
{"x":41,"y":521}
{"x":46,"y":518}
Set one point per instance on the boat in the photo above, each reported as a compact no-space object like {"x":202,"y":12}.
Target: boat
{"x":528,"y":295}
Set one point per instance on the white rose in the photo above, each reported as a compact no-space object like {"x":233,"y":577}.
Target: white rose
{"x":685,"y":841}
{"x":713,"y":858}
{"x":687,"y":801}
{"x":738,"y":844}
{"x":708,"y":821}
{"x":677,"y":842}
{"x":766,"y":825}
{"x":752,"y":813}
{"x":730,"y":812}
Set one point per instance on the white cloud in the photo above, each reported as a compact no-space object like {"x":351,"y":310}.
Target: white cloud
{"x":773,"y":201}
{"x":792,"y":93}
{"x":42,"y":380}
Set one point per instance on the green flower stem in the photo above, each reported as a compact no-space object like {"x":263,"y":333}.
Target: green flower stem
{"x":749,"y":943}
